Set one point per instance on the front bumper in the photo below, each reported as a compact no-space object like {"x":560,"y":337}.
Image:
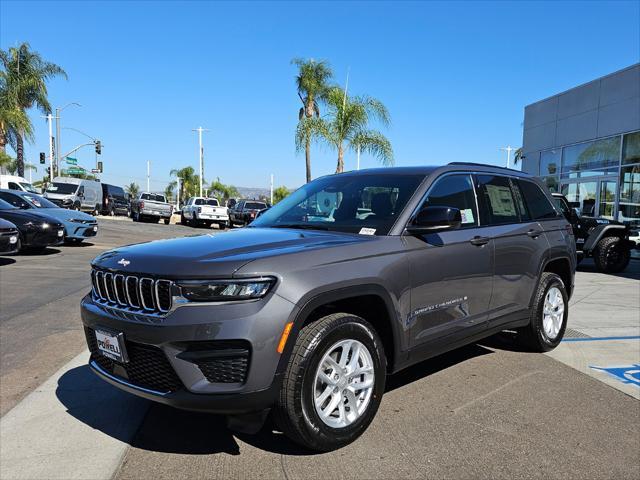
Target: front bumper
{"x":189,"y":328}
{"x":9,"y":242}
{"x":45,"y":238}
{"x":81,"y":230}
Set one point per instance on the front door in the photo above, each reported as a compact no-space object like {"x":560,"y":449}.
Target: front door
{"x":451,"y":271}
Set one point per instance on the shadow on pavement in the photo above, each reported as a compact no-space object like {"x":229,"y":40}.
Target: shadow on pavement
{"x":82,"y":244}
{"x":168,"y":430}
{"x":6,"y":261}
{"x":37,"y":252}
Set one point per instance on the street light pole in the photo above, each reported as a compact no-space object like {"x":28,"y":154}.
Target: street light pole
{"x":148,"y":173}
{"x":508,"y":149}
{"x":271,"y":189}
{"x":58,"y":122}
{"x":50,"y":119}
{"x":200,"y":130}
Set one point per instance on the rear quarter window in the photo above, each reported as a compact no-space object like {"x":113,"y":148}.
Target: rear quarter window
{"x":539,"y":206}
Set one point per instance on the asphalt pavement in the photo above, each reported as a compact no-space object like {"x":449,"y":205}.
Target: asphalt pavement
{"x":484,"y":411}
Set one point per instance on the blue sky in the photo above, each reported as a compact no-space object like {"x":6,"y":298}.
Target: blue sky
{"x":455,"y":76}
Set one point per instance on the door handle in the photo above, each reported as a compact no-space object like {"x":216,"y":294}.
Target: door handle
{"x":479,"y":241}
{"x":534,"y":233}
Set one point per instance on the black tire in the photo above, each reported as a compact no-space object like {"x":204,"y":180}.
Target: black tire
{"x":579,"y":258}
{"x":222,"y":225}
{"x":295,"y":412}
{"x":611,"y":255}
{"x":167,"y":221}
{"x":135,"y":216}
{"x":112,"y":212}
{"x":76,"y":206}
{"x":533,"y":336}
{"x":183,"y":221}
{"x":96,"y":211}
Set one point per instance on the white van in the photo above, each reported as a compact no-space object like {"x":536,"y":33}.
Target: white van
{"x":75,"y":193}
{"x":12,"y":182}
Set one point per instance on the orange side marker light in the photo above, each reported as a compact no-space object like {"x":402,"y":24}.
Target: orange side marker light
{"x":283,"y":338}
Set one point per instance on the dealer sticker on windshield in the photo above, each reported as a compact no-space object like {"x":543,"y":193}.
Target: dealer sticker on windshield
{"x":367,"y":231}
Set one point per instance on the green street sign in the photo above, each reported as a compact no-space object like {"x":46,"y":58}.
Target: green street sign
{"x":72,"y":161}
{"x":75,"y":170}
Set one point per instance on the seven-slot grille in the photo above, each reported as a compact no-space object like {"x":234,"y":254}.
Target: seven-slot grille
{"x":132,"y":292}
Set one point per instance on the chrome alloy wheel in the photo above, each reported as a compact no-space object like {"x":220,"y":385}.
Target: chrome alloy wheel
{"x":553,"y":313}
{"x":343,"y":383}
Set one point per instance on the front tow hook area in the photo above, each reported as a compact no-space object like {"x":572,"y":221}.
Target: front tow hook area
{"x":249,"y":423}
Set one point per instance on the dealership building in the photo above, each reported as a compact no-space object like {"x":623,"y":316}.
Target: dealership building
{"x":585,"y":143}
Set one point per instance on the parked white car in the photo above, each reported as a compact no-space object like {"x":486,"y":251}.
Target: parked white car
{"x":204,"y":211}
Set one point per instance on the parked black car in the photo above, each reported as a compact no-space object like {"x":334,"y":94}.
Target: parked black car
{"x":245,"y":211}
{"x":606,"y":240}
{"x":37,"y":231}
{"x":9,"y":237}
{"x":114,"y":201}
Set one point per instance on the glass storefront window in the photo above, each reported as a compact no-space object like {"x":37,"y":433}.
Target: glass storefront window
{"x":551,"y":183}
{"x":598,"y":155}
{"x":550,"y":162}
{"x":631,"y":148}
{"x":629,"y":206}
{"x":582,"y":196}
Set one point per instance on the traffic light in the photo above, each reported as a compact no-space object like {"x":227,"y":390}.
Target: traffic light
{"x":98,"y":147}
{"x":100,"y":166}
{"x":42,"y":158}
{"x":53,"y":146}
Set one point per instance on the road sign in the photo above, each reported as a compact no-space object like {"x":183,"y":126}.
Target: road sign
{"x":72,"y":161}
{"x":95,"y":170}
{"x":75,"y":170}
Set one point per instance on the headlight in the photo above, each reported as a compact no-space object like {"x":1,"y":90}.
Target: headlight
{"x":225,"y":290}
{"x":45,"y":226}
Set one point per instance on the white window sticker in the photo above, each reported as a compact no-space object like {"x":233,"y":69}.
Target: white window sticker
{"x":467,"y":216}
{"x":367,"y":231}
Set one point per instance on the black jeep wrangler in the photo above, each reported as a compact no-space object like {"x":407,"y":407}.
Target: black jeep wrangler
{"x":607,"y":241}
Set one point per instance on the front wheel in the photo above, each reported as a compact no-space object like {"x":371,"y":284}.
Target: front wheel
{"x":611,"y":255}
{"x":333,"y":384}
{"x":548,"y":318}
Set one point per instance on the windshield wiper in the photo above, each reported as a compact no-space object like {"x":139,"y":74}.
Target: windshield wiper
{"x":304,"y":226}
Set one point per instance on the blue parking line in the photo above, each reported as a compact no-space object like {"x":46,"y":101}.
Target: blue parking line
{"x":599,"y":339}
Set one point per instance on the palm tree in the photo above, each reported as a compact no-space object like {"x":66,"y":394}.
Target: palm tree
{"x":348,"y":122}
{"x":312,"y":83}
{"x":189,"y":182}
{"x":517,"y":156}
{"x":280,"y":193}
{"x":24,"y":77}
{"x":132,"y":189}
{"x":221,"y":191}
{"x":168,"y":192}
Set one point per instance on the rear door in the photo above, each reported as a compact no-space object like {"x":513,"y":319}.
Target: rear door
{"x":519,"y":246}
{"x":451,"y":271}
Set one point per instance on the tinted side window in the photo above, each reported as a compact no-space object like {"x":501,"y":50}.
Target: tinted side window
{"x":498,"y":204}
{"x":12,"y":199}
{"x":537,"y":202}
{"x":14,"y":186}
{"x":454,"y":191}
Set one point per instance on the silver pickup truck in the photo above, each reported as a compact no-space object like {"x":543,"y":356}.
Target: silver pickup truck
{"x":151,"y":206}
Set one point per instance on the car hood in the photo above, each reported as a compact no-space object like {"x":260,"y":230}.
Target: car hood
{"x":217,"y":255}
{"x":20,"y":217}
{"x":65,"y":215}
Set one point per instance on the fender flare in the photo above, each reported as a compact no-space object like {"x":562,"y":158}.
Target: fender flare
{"x":315,"y":300}
{"x":599,"y":232}
{"x":543,"y":267}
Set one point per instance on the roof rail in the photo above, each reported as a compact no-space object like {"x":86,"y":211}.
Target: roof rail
{"x":476,"y":164}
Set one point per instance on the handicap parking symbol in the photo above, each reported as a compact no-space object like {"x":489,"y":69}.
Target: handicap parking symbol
{"x":626,"y":374}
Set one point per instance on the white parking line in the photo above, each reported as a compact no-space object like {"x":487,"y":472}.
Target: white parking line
{"x":74,"y":426}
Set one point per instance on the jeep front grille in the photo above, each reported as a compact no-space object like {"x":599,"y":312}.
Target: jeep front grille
{"x":132,"y":292}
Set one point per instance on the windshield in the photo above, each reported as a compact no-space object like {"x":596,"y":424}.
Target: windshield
{"x":6,"y":205}
{"x":367,"y":204}
{"x":38,"y":201}
{"x":152,"y":198}
{"x":28,"y":187}
{"x":62,"y":188}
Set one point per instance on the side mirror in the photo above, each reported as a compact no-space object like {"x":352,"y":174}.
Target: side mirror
{"x":435,"y":219}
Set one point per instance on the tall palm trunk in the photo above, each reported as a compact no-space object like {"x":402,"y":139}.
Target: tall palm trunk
{"x":307,"y":154}
{"x":20,"y":155}
{"x":340,"y":167}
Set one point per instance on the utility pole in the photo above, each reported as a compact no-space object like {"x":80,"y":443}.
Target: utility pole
{"x":358,"y":157}
{"x":58,"y":122}
{"x":148,"y":174}
{"x":271,"y":189}
{"x":508,"y":149}
{"x":50,"y":119}
{"x":200,"y":130}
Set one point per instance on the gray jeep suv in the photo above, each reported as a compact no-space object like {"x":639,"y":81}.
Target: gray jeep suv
{"x":351,"y":278}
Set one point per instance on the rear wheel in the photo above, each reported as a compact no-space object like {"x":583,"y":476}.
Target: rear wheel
{"x":611,"y":255}
{"x":548,"y":318}
{"x":167,"y":221}
{"x":333,"y":384}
